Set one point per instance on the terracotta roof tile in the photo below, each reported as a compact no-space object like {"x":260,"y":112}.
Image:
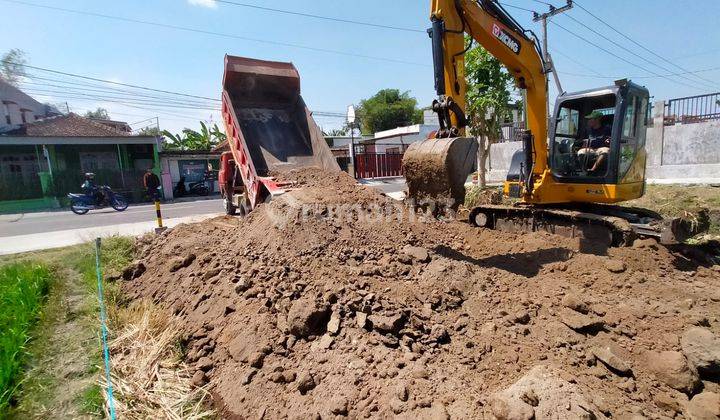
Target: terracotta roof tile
{"x":70,"y":125}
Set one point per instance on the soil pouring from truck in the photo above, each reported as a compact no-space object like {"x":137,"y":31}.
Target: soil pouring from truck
{"x":270,"y":131}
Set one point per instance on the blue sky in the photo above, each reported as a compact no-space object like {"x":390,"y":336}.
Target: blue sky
{"x":684,"y":31}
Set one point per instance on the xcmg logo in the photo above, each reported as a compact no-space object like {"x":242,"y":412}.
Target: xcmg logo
{"x":507,"y":39}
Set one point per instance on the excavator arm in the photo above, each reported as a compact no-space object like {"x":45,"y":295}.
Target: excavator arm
{"x":487,"y":23}
{"x":437,"y":168}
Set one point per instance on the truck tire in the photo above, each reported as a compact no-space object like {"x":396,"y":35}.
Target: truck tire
{"x":230,"y":208}
{"x":244,"y":209}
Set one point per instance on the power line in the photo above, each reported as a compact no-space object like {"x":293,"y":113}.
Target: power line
{"x":632,"y":52}
{"x":129,"y":95}
{"x":569,"y":57}
{"x":516,"y":7}
{"x":165,"y":113}
{"x":619,"y":57}
{"x":635,"y":42}
{"x":77,"y":84}
{"x":643,"y":77}
{"x":334,"y":19}
{"x":125,"y":99}
{"x":108,"y":81}
{"x":107,"y":92}
{"x":128,"y":99}
{"x":219,"y":34}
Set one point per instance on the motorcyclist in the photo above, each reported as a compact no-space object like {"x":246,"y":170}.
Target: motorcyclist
{"x":90,"y":188}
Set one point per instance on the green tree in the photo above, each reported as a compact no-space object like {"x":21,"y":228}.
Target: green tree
{"x":12,"y":66}
{"x":387,"y":109}
{"x":98,"y":114}
{"x":189,"y":139}
{"x":490,"y":91}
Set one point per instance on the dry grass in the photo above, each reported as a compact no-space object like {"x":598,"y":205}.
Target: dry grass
{"x":149,"y":378}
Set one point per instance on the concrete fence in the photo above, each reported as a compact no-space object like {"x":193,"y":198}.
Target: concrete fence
{"x":677,"y":154}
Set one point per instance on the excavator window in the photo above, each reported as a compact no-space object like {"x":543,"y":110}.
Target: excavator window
{"x":633,"y":132}
{"x":574,"y":153}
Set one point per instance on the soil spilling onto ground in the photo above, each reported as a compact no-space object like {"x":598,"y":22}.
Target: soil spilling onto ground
{"x":334,"y":300}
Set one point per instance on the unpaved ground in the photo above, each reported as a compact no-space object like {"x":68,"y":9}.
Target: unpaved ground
{"x":314,"y":306}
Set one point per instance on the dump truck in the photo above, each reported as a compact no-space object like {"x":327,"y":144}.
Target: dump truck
{"x":270,"y":131}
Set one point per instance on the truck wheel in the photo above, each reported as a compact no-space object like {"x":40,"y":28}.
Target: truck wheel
{"x":244,"y":208}
{"x":230,"y":208}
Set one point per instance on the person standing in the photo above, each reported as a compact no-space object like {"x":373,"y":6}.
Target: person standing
{"x":151,"y":182}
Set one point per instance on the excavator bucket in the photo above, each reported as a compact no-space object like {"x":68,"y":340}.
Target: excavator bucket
{"x":272,"y":119}
{"x":436,"y":169}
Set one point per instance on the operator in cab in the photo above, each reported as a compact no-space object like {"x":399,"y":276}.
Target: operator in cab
{"x":597,"y":140}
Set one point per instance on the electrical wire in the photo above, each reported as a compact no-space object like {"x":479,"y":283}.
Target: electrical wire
{"x":569,"y":57}
{"x":634,"y":53}
{"x":41,"y":81}
{"x":516,"y":7}
{"x":642,"y":77}
{"x":328,"y":18}
{"x":218,"y":34}
{"x":635,"y":42}
{"x":111,"y":94}
{"x":107,"y":81}
{"x":620,"y":57}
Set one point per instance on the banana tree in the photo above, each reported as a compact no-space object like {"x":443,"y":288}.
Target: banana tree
{"x":189,"y":139}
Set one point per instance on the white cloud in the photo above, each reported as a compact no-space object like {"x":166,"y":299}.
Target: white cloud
{"x":211,"y":4}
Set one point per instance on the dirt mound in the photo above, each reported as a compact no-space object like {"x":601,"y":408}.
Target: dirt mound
{"x":333,"y":300}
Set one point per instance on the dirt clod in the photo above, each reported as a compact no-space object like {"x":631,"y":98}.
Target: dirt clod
{"x":702,"y":350}
{"x":306,"y":317}
{"x":672,"y":368}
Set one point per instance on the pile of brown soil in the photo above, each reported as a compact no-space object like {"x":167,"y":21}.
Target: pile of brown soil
{"x":332,"y":300}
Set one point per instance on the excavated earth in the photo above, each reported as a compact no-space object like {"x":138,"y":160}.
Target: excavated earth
{"x":335,"y":301}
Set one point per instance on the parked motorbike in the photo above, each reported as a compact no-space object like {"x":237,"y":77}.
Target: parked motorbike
{"x":194,"y":188}
{"x":103,"y":197}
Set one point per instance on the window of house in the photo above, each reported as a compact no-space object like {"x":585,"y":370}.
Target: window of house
{"x":94,"y":161}
{"x":192,"y":170}
{"x":6,"y":112}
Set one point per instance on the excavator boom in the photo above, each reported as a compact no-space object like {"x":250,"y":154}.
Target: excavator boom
{"x":449,"y":164}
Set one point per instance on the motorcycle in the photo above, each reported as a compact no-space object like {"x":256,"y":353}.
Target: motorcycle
{"x":103,"y":197}
{"x":194,"y":188}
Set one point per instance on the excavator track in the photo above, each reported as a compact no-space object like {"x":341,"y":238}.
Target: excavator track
{"x":594,"y":225}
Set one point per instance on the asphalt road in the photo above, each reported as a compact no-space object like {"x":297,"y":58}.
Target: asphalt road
{"x":29,"y":223}
{"x":35,"y":231}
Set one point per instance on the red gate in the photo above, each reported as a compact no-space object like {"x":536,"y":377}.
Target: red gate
{"x":376,"y":165}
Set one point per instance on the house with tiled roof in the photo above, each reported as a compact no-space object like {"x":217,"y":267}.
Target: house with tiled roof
{"x":43,"y":159}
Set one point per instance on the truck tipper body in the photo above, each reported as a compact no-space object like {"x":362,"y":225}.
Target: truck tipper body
{"x":270,"y":131}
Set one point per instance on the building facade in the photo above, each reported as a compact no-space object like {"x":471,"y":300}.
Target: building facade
{"x":42,"y":161}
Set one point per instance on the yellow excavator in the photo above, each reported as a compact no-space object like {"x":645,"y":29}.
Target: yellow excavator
{"x":565,"y":181}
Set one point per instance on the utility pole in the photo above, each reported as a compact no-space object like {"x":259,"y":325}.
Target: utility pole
{"x":537,"y":17}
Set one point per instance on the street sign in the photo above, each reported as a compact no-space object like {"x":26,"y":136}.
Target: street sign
{"x":351,"y":114}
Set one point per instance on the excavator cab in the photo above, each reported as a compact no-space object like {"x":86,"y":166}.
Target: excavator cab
{"x":608,"y":150}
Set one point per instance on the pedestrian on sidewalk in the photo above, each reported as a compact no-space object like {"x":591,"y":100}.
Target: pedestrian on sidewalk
{"x":151,"y":182}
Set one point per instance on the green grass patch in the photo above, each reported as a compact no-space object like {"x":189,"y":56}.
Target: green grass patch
{"x":63,"y":361}
{"x":23,"y":289}
{"x":91,"y":400}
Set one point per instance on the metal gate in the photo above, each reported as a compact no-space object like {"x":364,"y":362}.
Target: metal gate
{"x":377,"y":165}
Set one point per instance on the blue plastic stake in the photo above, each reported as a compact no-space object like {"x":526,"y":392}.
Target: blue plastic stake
{"x":103,"y":325}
